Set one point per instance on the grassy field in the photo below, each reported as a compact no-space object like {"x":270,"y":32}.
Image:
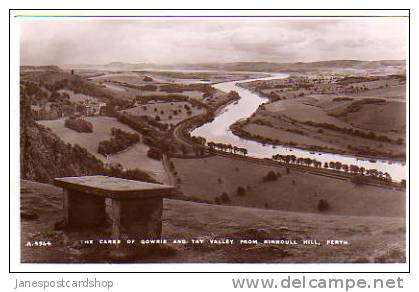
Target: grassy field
{"x":207,"y":178}
{"x":369,"y":238}
{"x":303,"y":109}
{"x":133,"y":157}
{"x":165,"y":111}
{"x":388,"y":117}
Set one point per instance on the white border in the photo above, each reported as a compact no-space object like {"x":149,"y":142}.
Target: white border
{"x":16,"y":266}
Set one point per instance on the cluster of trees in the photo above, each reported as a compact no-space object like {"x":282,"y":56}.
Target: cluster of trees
{"x":215,"y":103}
{"x":135,"y":123}
{"x":133,"y":174}
{"x":233,"y":95}
{"x":353,"y":169}
{"x":239,"y":131}
{"x":120,"y":140}
{"x":154,"y":123}
{"x":354,"y":132}
{"x":78,"y":84}
{"x":155,"y":153}
{"x":51,"y":104}
{"x":79,"y":125}
{"x":158,"y":140}
{"x":356,"y":79}
{"x":148,"y":87}
{"x":297,"y":160}
{"x":342,"y":99}
{"x":176,"y":88}
{"x":156,"y":97}
{"x":227,"y":148}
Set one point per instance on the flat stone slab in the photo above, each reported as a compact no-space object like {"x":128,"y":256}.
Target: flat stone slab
{"x":115,"y":188}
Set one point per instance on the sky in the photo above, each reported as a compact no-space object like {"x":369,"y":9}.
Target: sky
{"x":201,"y":40}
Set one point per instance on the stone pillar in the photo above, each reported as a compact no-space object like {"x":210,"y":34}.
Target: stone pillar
{"x":66,"y":208}
{"x":116,"y":219}
{"x":137,"y":218}
{"x":83,"y":210}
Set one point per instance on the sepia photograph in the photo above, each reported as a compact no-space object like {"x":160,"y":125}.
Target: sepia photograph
{"x":222,"y":139}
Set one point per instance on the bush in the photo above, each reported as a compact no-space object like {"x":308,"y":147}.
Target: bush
{"x":241,"y":192}
{"x":225,"y":198}
{"x":270,"y":176}
{"x":323,"y":206}
{"x":79,"y":125}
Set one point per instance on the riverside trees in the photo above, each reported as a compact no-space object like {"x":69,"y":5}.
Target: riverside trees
{"x":227,"y":148}
{"x":336,"y":165}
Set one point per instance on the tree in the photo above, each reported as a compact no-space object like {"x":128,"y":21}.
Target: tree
{"x":241,"y":192}
{"x":270,"y":176}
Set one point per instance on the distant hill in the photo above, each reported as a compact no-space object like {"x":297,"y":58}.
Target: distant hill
{"x":258,"y":66}
{"x":312,"y":66}
{"x":53,"y":75}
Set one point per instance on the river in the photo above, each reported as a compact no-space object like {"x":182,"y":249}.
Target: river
{"x":219,"y":131}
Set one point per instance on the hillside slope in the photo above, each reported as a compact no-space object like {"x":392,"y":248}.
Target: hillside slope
{"x":44,"y":156}
{"x":370,"y":239}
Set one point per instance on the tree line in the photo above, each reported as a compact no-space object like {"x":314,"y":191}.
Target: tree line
{"x":353,"y":169}
{"x":227,"y":148}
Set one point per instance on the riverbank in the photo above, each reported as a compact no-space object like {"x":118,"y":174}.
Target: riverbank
{"x":272,"y":120}
{"x":332,"y":114}
{"x":238,"y":130}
